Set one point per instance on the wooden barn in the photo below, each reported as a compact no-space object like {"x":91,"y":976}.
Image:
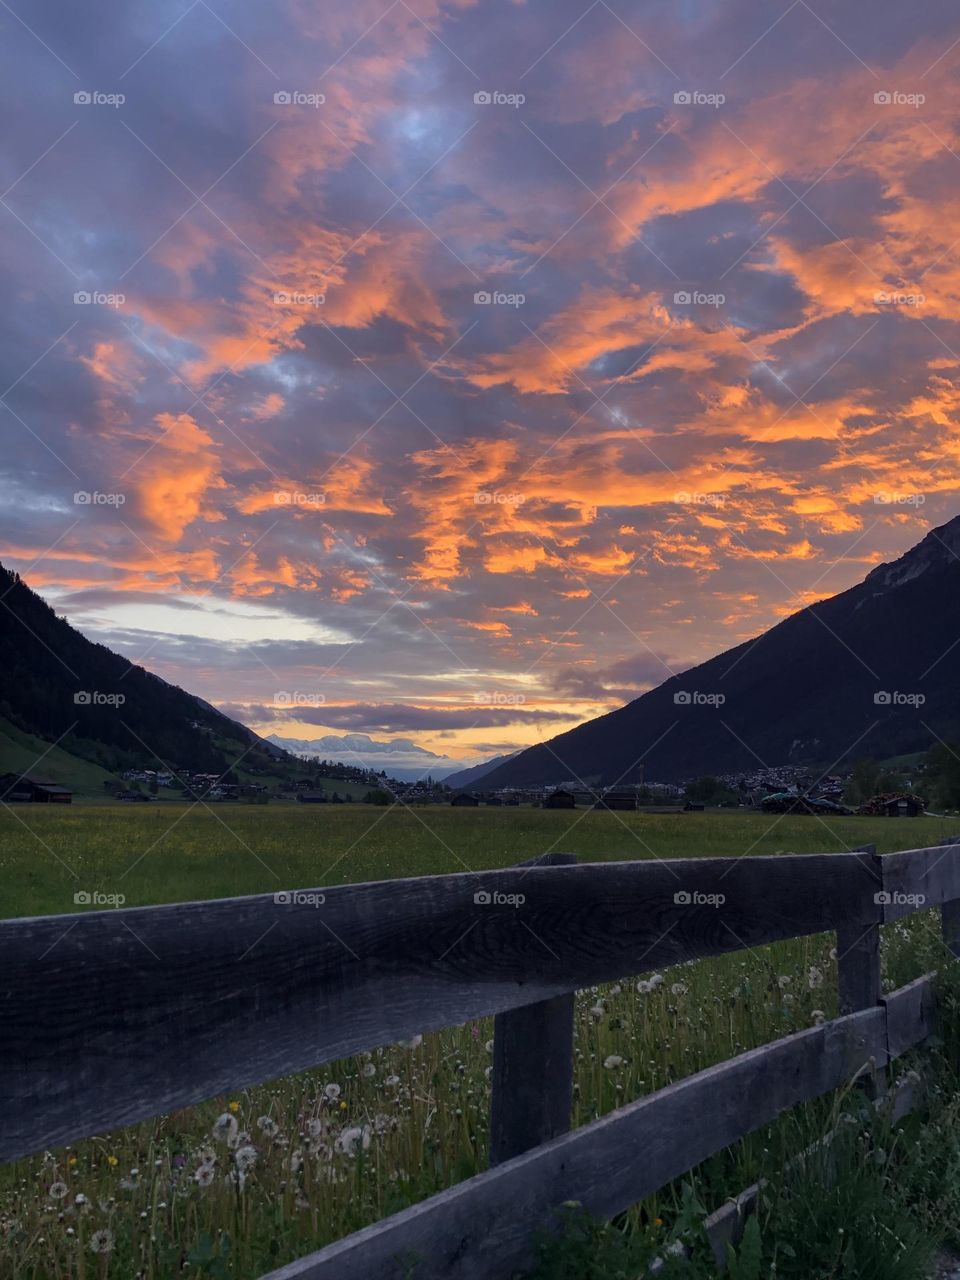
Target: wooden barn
{"x":23,"y":789}
{"x":463,"y":800}
{"x":618,"y":798}
{"x":560,"y":799}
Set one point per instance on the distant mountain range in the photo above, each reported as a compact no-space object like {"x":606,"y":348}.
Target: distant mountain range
{"x":871,"y":671}
{"x":56,"y":686}
{"x":399,"y":758}
{"x":470,"y":777}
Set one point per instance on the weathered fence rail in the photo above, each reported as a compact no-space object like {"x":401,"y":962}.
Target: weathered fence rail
{"x":112,"y":1017}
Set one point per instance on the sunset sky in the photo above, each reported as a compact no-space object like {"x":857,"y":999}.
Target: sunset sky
{"x":332,"y":489}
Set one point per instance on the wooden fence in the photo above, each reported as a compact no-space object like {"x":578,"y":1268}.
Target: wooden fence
{"x":111,"y":1017}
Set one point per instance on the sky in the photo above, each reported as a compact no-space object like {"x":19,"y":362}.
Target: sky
{"x":450,"y":373}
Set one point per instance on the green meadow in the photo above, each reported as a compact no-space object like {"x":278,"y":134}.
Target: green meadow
{"x":247,"y":1182}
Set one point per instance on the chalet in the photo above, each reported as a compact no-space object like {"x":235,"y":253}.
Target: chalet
{"x":560,"y":799}
{"x":895,"y":804}
{"x":463,"y":800}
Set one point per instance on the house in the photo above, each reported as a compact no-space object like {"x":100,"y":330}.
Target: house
{"x":24,"y":789}
{"x":312,"y":797}
{"x":560,"y":799}
{"x":463,"y":800}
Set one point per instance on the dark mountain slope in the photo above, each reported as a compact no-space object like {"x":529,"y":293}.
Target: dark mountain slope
{"x":809,"y":690}
{"x":55,"y":682}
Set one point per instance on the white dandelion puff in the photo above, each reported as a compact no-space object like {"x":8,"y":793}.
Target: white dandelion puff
{"x":101,"y":1241}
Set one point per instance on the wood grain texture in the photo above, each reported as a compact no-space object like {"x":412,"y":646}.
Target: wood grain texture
{"x":532,"y":1076}
{"x":112,"y":1017}
{"x":932,"y":875}
{"x":910,"y":1014}
{"x":481,"y":1229}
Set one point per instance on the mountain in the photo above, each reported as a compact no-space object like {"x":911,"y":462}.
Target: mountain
{"x":468,"y":777}
{"x":869,"y":672}
{"x":399,"y":758}
{"x":56,"y":686}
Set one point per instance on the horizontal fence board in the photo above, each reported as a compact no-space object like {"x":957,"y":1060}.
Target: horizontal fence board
{"x":930,"y":875}
{"x":482,"y":1228}
{"x":115,"y":1016}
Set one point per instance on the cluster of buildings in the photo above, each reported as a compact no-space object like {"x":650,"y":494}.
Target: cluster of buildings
{"x":22,"y":788}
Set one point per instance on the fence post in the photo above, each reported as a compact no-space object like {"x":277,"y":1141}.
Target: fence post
{"x":950,"y":915}
{"x":858,"y":960}
{"x":532,"y":1074}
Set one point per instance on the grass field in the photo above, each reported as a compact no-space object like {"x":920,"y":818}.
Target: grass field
{"x":245,"y":1183}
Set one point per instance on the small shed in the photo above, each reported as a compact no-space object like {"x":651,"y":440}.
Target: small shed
{"x":560,"y":799}
{"x":312,"y":797}
{"x":29,"y":790}
{"x":463,"y":800}
{"x":895,"y":804}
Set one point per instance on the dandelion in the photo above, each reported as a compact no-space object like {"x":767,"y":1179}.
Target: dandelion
{"x":245,"y":1157}
{"x":413,"y":1043}
{"x":80,"y":1199}
{"x":234,"y":1107}
{"x":353,"y":1138}
{"x":369,"y":1070}
{"x":597,"y":1010}
{"x":679,"y":989}
{"x":112,"y":1161}
{"x":818,"y":1017}
{"x":489,"y":1046}
{"x":784,"y":981}
{"x":331,"y":1092}
{"x":57,"y":1190}
{"x":268,"y":1126}
{"x":814,"y":977}
{"x":101,"y":1241}
{"x":225,"y":1129}
{"x":392,"y":1081}
{"x":613,"y":1061}
{"x":204,"y":1175}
